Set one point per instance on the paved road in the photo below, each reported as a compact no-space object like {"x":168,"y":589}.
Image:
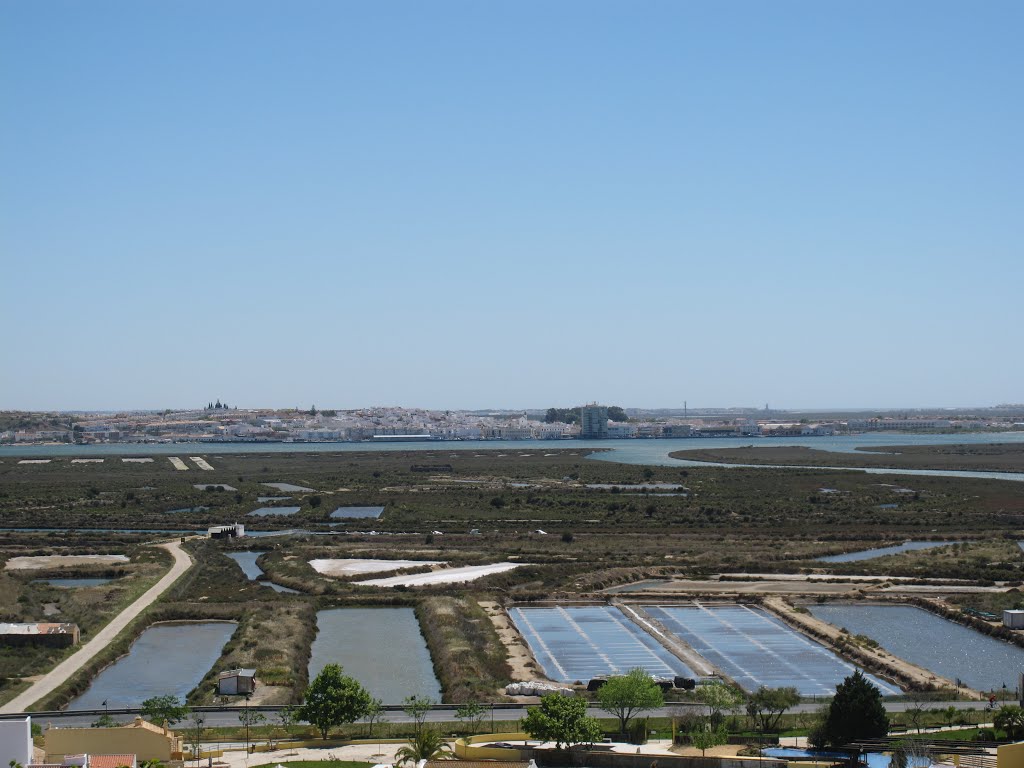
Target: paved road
{"x":59,"y":674}
{"x":222,"y":717}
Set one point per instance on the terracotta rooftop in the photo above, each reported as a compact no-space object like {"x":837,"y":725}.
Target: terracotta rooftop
{"x":111,"y":761}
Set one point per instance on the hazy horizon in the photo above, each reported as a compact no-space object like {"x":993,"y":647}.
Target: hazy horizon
{"x":459,"y":203}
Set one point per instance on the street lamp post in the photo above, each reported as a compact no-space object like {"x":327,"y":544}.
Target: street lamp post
{"x":247,"y":723}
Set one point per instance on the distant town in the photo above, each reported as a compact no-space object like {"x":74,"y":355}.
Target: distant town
{"x":219,"y":422}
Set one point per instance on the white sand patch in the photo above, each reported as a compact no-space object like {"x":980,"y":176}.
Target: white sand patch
{"x":137,"y":461}
{"x":201,"y":463}
{"x":34,"y":461}
{"x":34,"y":562}
{"x":442,"y":576}
{"x":178,"y":463}
{"x":354,"y":567}
{"x":87,"y":461}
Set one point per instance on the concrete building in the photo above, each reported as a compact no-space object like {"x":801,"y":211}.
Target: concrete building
{"x":233,"y":531}
{"x":620,"y":430}
{"x":140,"y":738}
{"x":16,"y":741}
{"x":39,"y":633}
{"x":1013,"y":619}
{"x":236,"y":682}
{"x":593,"y":422}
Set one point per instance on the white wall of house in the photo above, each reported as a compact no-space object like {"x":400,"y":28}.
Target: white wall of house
{"x":16,"y":741}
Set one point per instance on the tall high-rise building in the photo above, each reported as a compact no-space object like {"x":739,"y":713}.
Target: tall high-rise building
{"x":594,"y":422}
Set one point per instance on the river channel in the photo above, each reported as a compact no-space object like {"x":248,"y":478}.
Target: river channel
{"x":381,"y":647}
{"x":652,"y":452}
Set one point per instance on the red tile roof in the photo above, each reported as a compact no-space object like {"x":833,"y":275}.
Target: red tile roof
{"x":111,"y":761}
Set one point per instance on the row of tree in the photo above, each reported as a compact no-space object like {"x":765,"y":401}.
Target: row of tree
{"x":574,"y":415}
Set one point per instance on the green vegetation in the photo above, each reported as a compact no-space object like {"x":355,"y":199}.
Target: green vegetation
{"x":164,"y":710}
{"x":333,"y":699}
{"x":766,"y":706}
{"x":573,"y":415}
{"x":426,"y":744}
{"x":628,"y":695}
{"x":563,"y":720}
{"x":855,"y":712}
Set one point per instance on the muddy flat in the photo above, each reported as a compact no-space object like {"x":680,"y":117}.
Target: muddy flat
{"x":37,"y":562}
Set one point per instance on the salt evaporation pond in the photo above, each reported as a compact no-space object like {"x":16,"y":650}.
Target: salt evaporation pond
{"x":72,"y":583}
{"x":869,"y":554}
{"x":944,"y":647}
{"x":247,"y":562}
{"x":367,"y":642}
{"x":167,"y":659}
{"x":357,"y":513}
{"x":274,"y":511}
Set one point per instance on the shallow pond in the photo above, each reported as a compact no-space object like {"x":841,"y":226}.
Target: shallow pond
{"x":869,"y":554}
{"x":944,"y":647}
{"x":247,"y":562}
{"x":369,"y":643}
{"x":274,"y":511}
{"x":167,"y":659}
{"x":73,"y":582}
{"x":357,"y":512}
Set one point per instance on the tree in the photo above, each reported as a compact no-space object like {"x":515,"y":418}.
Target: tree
{"x":161,"y":709}
{"x":628,"y":695}
{"x":471,"y":712}
{"x":616,"y":413}
{"x":333,"y":699}
{"x":374,"y":712}
{"x":561,"y":719}
{"x":767,"y":706}
{"x":856,"y":712}
{"x":718,"y":698}
{"x":104,"y":721}
{"x":705,"y":737}
{"x":250,"y":718}
{"x":1010,"y":718}
{"x":427,"y":744}
{"x":417,"y":707}
{"x":286,"y":717}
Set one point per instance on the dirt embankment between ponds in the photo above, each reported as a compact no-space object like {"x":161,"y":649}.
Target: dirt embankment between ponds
{"x":873,"y":659}
{"x":993,"y":457}
{"x":520,"y":659}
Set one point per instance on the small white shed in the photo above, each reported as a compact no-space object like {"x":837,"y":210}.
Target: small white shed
{"x":236,"y":682}
{"x":1013,"y":619}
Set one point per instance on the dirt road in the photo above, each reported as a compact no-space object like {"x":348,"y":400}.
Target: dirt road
{"x":60,"y":674}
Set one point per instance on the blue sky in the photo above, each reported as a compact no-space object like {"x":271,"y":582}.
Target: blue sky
{"x":521,"y":204}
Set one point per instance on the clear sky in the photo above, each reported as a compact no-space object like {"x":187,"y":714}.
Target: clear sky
{"x":517,"y":204}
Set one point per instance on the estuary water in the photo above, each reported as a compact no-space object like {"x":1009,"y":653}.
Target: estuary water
{"x":381,"y":647}
{"x":167,"y":659}
{"x":652,"y":452}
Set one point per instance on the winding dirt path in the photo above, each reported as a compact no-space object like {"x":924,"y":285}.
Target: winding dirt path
{"x":60,"y":674}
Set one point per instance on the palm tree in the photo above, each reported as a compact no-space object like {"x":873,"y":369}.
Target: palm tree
{"x":428,"y":744}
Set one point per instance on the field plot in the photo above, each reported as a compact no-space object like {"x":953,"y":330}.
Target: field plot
{"x":755,"y":649}
{"x":202,"y":463}
{"x":580,"y":642}
{"x":177,"y":463}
